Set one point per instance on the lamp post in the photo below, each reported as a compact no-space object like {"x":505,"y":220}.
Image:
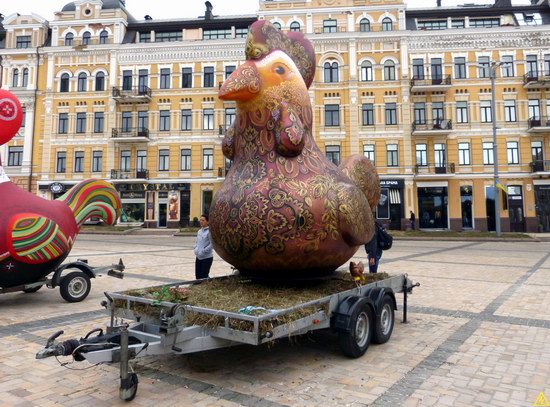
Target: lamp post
{"x":493,"y":68}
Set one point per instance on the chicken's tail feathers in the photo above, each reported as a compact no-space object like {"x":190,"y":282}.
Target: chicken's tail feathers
{"x":363,"y":174}
{"x":93,"y":198}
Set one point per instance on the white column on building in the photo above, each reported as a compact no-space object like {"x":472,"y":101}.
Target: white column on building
{"x":26,"y":167}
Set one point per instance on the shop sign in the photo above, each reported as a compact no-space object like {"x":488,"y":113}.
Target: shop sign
{"x":154,"y":187}
{"x":132,"y":195}
{"x":392,"y":183}
{"x":57,"y":188}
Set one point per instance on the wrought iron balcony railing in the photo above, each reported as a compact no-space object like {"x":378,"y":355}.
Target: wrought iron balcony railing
{"x":443,"y":168}
{"x":436,"y":125}
{"x":537,"y":122}
{"x":128,"y":132}
{"x":536,"y":76}
{"x":139,"y":92}
{"x":540,"y":166}
{"x":436,"y":80}
{"x":130,"y":174}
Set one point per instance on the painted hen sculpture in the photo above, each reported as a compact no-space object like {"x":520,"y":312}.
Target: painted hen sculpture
{"x":284,"y":211}
{"x":36,"y":234}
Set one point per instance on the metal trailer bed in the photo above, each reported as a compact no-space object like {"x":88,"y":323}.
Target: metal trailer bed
{"x":359,"y":315}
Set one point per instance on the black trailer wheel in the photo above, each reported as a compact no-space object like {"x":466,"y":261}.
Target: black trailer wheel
{"x":132,"y":391}
{"x":355,"y":342}
{"x":32,"y":290}
{"x":384,"y":323}
{"x":75,"y":286}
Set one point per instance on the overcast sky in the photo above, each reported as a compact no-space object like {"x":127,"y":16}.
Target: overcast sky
{"x":163,"y":9}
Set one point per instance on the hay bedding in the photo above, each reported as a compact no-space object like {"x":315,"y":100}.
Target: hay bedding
{"x":238,"y":294}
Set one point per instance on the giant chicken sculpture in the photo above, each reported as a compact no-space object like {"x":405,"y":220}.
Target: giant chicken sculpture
{"x":284,"y":210}
{"x":36,"y":235}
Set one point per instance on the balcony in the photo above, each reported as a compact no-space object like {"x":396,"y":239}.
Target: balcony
{"x":430,"y":169}
{"x":539,"y":124}
{"x":540,"y":166}
{"x":436,"y":128}
{"x":129,"y":174}
{"x":434,"y":84}
{"x":536,"y":79}
{"x":131,"y":134}
{"x":137,"y":94}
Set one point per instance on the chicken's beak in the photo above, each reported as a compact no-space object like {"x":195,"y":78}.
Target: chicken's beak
{"x":242,"y":85}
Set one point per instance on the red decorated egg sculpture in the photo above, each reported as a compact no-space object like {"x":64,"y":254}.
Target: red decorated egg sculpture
{"x":11,"y":116}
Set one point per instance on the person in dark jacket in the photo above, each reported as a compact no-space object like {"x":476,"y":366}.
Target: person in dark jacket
{"x":412,"y":220}
{"x":374,"y":252}
{"x":203,"y":250}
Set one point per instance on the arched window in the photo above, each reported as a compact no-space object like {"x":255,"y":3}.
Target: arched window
{"x":64,"y":83}
{"x":82,"y":79}
{"x":331,"y":72}
{"x":387,"y":24}
{"x":389,"y":71}
{"x":86,"y":37}
{"x":15,"y":78}
{"x":69,"y":39}
{"x":295,"y":26}
{"x":25,"y":77}
{"x":364,"y":25}
{"x":366,"y":71}
{"x":100,"y":81}
{"x":103,"y":36}
{"x":277,"y":25}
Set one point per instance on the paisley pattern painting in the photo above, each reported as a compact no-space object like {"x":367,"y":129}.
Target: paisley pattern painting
{"x":284,"y":211}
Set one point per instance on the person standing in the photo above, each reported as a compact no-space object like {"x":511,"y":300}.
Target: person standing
{"x":412,"y":220}
{"x":374,"y":252}
{"x":203,"y":250}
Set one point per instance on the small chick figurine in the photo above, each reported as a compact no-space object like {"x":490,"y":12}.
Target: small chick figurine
{"x":284,"y":210}
{"x":357,"y":270}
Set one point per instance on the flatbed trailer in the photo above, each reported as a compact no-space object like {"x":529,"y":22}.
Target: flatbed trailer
{"x":360,"y":315}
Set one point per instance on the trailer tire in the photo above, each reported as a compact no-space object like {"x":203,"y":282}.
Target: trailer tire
{"x":384,"y":322}
{"x":133,"y":377}
{"x":355,"y":342}
{"x":32,"y":290}
{"x":75,"y":286}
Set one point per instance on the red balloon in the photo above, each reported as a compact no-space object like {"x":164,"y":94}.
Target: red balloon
{"x":11,"y":116}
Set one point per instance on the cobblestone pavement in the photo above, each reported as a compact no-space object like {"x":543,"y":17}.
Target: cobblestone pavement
{"x":479,"y":335}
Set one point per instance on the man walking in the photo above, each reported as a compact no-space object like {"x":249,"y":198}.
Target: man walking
{"x":412,"y":221}
{"x":203,"y":250}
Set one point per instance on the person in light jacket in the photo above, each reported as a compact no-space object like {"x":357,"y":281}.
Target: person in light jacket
{"x":203,"y":250}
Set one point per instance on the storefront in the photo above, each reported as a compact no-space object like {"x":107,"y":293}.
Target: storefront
{"x":433,"y":205}
{"x":542,"y":205}
{"x":390,"y":209}
{"x":53,"y":190}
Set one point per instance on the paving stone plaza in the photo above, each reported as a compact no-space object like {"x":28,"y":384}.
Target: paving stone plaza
{"x":478,"y":335}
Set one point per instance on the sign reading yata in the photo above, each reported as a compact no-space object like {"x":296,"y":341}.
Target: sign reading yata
{"x":392,"y":183}
{"x":57,"y":187}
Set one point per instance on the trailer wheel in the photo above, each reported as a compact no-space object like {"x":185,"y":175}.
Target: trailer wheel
{"x":355,"y":342}
{"x":132,"y":391}
{"x":32,"y":290}
{"x":384,"y":324}
{"x":75,"y":286}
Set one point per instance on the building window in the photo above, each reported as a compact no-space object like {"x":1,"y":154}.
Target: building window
{"x":165,"y":78}
{"x":208,"y":119}
{"x":333,"y":154}
{"x":103,"y":37}
{"x":366,"y":71}
{"x":331,"y":72}
{"x":387,"y":24}
{"x":277,"y":25}
{"x":462,"y":112}
{"x":534,"y":109}
{"x":145,"y":36}
{"x":536,"y":151}
{"x":86,"y":37}
{"x":15,"y":156}
{"x":486,"y":116}
{"x":97,"y":161}
{"x":391,"y":113}
{"x":418,"y":69}
{"x":420,"y":113}
{"x":460,"y":67}
{"x":143,"y":80}
{"x":367,"y":110}
{"x":484,"y":69}
{"x":82,"y":82}
{"x":127,"y":80}
{"x":61,"y":162}
{"x":99,"y":82}
{"x":99,"y":122}
{"x":241,"y":32}
{"x":141,"y":160}
{"x":81,"y":122}
{"x":216,"y":34}
{"x":368,"y":151}
{"x":531,"y":66}
{"x":125,"y":160}
{"x":432,"y":25}
{"x":64,"y":83}
{"x":143,"y":121}
{"x":332,"y":115}
{"x":207,"y":159}
{"x":186,"y":78}
{"x":24,"y":118}
{"x":389,"y":70}
{"x":126,"y":121}
{"x":169,"y":36}
{"x":507,"y":66}
{"x":512,"y":151}
{"x":546,"y":64}
{"x":329,"y":26}
{"x":484,"y":22}
{"x":488,"y":157}
{"x":458,"y":23}
{"x":164,"y":120}
{"x":230,"y":114}
{"x":438,"y":114}
{"x":510,"y":111}
{"x":440,"y":158}
{"x":295,"y":26}
{"x":186,"y":119}
{"x":464,"y":153}
{"x":364,"y":25}
{"x":229,"y":69}
{"x":421,"y":155}
{"x":78,"y":161}
{"x":392,"y":154}
{"x":164,"y":160}
{"x":63,"y":125}
{"x":25,"y":79}
{"x":69,"y":38}
{"x":185,"y":159}
{"x":23,"y":41}
{"x":209,"y":77}
{"x":15,"y":78}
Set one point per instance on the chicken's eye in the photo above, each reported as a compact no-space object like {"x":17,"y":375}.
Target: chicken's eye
{"x":280,"y":70}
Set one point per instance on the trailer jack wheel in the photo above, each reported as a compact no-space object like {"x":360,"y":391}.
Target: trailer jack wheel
{"x":129,"y":387}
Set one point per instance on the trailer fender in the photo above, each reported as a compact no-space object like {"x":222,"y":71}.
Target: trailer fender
{"x":377,"y":295}
{"x":340,"y":320}
{"x":80,"y":265}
